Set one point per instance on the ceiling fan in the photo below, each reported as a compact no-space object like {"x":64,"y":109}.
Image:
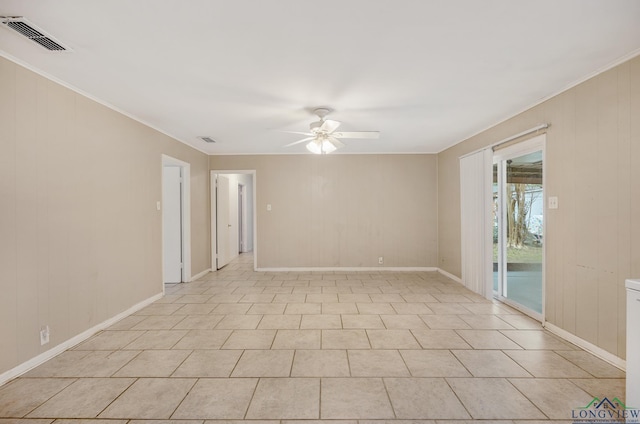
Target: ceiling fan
{"x":323,"y":137}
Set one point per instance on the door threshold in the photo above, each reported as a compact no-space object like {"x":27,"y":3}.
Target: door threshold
{"x":520,"y":308}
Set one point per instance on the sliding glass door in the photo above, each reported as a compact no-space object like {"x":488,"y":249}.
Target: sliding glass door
{"x":518,"y":236}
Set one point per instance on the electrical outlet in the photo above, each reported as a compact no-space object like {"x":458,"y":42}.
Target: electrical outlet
{"x":381,"y":260}
{"x":44,"y":335}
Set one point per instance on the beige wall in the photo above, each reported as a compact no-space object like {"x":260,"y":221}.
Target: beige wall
{"x":80,"y":236}
{"x":593,"y":238}
{"x":343,"y":210}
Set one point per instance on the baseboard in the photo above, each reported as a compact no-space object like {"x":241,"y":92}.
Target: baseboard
{"x":55,"y":351}
{"x":572,"y":338}
{"x":449,"y":275}
{"x":589,"y":347}
{"x":349,"y":269}
{"x":200,"y":274}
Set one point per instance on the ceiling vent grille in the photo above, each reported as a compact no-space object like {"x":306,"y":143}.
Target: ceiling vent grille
{"x":207,"y":139}
{"x":33,"y":33}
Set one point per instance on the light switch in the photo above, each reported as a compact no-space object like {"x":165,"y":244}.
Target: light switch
{"x":553,"y":202}
{"x":269,"y":207}
{"x":158,"y":205}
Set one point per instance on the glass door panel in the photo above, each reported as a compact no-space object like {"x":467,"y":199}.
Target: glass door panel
{"x":524,"y":230}
{"x":496,"y":231}
{"x":518,"y":229}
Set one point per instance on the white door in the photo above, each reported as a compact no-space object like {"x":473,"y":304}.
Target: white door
{"x":223,"y":223}
{"x":172,"y":224}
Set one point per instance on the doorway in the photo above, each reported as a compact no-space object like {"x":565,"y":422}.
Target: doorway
{"x":175,"y":207}
{"x":518,"y":230}
{"x":232,"y":216}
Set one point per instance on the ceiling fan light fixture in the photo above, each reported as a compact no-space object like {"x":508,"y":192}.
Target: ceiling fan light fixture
{"x":321,"y":147}
{"x":328,"y":147}
{"x":314,"y":147}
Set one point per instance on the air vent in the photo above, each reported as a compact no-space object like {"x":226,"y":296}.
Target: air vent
{"x":32,"y":32}
{"x":207,"y":139}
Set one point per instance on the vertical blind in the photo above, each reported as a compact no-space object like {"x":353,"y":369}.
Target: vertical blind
{"x":476,"y":181}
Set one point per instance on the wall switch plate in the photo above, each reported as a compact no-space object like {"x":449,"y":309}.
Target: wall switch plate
{"x":44,"y":335}
{"x":158,"y":205}
{"x":381,"y":260}
{"x":553,"y":202}
{"x":269,"y":207}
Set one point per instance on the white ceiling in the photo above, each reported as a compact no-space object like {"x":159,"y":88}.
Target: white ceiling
{"x":425,"y":73}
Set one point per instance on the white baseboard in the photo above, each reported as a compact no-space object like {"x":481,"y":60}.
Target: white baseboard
{"x":363,"y":269}
{"x":589,"y":347}
{"x":449,"y":275}
{"x":200,"y":274}
{"x":348,"y":269}
{"x":55,"y":351}
{"x":571,"y":338}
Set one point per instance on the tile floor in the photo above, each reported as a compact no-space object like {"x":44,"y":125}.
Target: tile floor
{"x":284,"y":347}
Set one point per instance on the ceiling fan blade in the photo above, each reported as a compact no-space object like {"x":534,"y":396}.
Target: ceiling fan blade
{"x":299,"y":141}
{"x":297,"y":132}
{"x":339,"y":144}
{"x":358,"y":134}
{"x":329,"y":126}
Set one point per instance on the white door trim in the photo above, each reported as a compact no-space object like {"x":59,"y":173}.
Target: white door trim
{"x":212,"y":187}
{"x":186,"y":215}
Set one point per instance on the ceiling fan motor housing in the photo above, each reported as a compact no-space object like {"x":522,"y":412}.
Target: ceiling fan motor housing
{"x":322,"y":112}
{"x":315,"y":126}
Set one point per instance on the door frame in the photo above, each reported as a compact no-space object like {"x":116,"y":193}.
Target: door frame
{"x":225,"y":250}
{"x":212,"y":196}
{"x":530,"y":145}
{"x":242,"y":218}
{"x":185,"y":205}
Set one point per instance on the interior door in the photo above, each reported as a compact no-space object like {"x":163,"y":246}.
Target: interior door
{"x":223,"y":222}
{"x":519,"y":235}
{"x":172,"y":223}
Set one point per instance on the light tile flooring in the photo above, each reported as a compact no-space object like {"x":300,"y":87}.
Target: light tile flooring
{"x":244,"y":345}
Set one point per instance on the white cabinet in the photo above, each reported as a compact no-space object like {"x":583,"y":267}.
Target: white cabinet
{"x":633,"y":343}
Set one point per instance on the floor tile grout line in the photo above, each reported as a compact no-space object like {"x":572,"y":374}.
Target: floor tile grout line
{"x":320,"y":398}
{"x":113,"y":375}
{"x":183,"y":361}
{"x":346,"y":353}
{"x":462,"y":363}
{"x":236,"y":364}
{"x":386,"y":390}
{"x":446,"y":380}
{"x":135,"y":379}
{"x":575,"y":364}
{"x":405,"y":363}
{"x":50,"y":397}
{"x":527,"y":398}
{"x":253,"y":394}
